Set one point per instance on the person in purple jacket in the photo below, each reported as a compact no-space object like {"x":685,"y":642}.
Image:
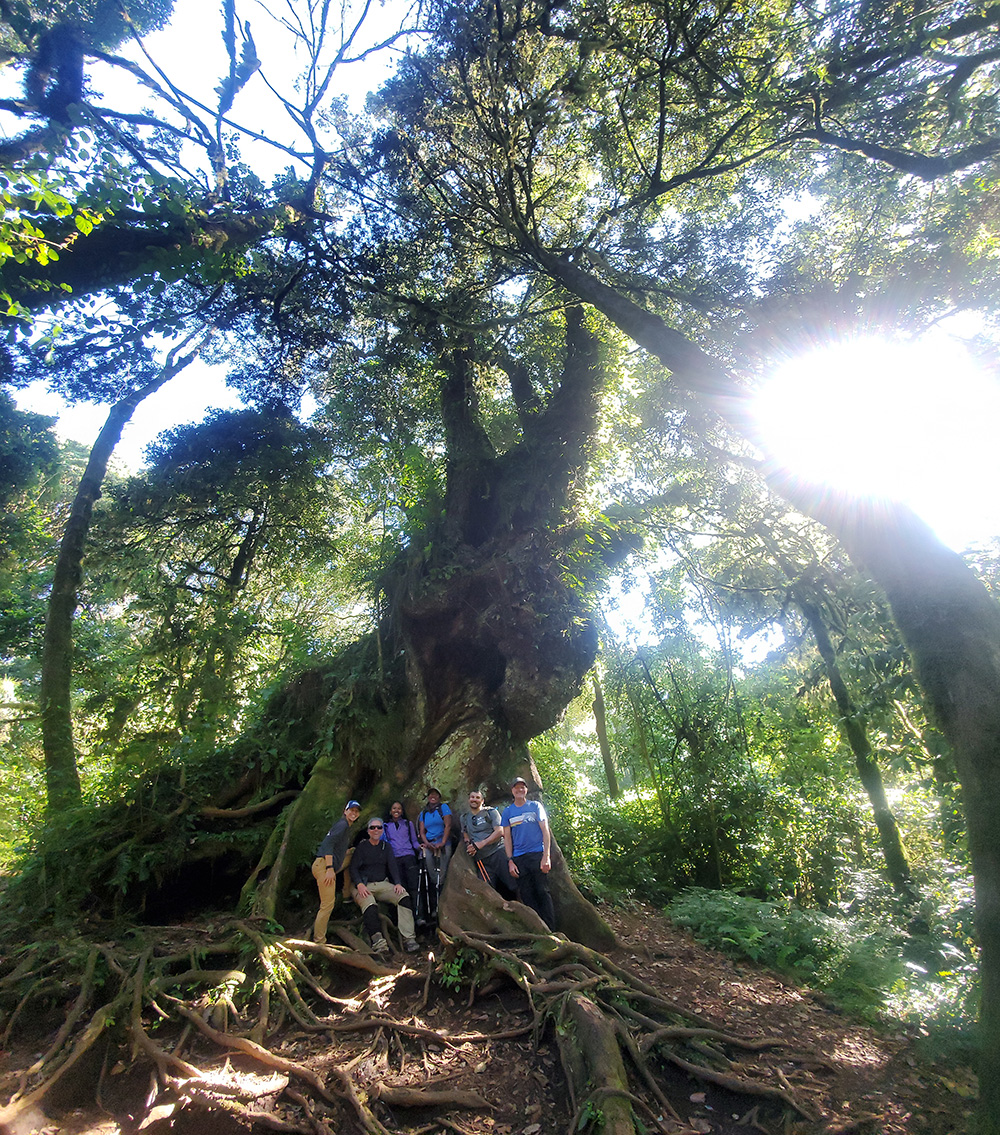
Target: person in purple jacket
{"x":401,"y":835}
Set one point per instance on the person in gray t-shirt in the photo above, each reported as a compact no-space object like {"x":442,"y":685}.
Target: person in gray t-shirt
{"x":483,"y":836}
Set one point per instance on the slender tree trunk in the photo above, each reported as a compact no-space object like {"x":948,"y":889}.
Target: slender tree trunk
{"x":856,"y":734}
{"x":951,"y":626}
{"x":601,"y":724}
{"x":62,"y":778}
{"x":639,"y":733}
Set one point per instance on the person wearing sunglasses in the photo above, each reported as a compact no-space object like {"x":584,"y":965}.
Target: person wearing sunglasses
{"x":375,"y":874}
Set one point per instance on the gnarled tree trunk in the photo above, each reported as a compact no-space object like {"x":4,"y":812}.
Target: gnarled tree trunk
{"x":490,"y":640}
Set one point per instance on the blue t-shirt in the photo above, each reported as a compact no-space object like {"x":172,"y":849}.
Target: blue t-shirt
{"x":525,"y":823}
{"x":434,"y":823}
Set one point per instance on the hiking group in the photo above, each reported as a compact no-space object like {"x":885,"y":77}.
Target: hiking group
{"x":403,"y":863}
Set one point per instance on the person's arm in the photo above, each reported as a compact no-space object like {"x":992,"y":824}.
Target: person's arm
{"x":328,"y":848}
{"x":414,"y":838}
{"x":422,"y":831}
{"x":546,"y":864}
{"x":509,"y":849}
{"x":326,"y":851}
{"x":464,"y":822}
{"x":357,"y":861}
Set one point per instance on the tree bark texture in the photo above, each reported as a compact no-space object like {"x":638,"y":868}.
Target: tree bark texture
{"x":470,"y":905}
{"x":601,"y":725}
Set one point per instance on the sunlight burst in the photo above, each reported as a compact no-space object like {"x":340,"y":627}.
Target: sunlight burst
{"x":915,"y":421}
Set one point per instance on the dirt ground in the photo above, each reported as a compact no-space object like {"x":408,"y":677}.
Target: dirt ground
{"x":849,"y":1077}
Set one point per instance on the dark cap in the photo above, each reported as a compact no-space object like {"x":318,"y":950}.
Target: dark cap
{"x":518,"y":780}
{"x":352,"y":804}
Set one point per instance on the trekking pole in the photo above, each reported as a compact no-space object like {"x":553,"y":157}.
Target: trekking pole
{"x":437,"y":882}
{"x":423,"y":884}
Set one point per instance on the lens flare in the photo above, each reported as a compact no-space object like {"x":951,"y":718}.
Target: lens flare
{"x":916,"y":421}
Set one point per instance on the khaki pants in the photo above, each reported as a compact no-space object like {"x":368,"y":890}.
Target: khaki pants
{"x":384,"y":891}
{"x":327,"y":893}
{"x":327,"y":897}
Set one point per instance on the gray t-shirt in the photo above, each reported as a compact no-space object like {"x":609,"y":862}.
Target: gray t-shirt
{"x":480,"y":825}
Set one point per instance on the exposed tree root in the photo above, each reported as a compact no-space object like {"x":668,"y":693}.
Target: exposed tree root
{"x":168,"y":987}
{"x":421,"y":1097}
{"x":616,"y":1034}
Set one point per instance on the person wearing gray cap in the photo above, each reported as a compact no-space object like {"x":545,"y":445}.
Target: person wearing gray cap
{"x":329,"y":862}
{"x":528,"y":843}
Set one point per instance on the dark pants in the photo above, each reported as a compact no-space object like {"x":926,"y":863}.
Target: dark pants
{"x":533,"y":887}
{"x":497,"y":872}
{"x":407,"y":865}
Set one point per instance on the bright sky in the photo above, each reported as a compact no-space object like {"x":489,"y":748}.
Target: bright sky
{"x":186,"y":398}
{"x":915,"y":421}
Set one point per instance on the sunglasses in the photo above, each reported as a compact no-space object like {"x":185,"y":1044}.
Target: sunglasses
{"x":374,"y":827}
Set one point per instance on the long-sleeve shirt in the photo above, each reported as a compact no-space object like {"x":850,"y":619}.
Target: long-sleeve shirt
{"x":402,"y":837}
{"x":373,"y":863}
{"x":335,"y":842}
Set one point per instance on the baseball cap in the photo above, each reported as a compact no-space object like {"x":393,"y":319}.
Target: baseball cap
{"x":518,"y":780}
{"x":352,"y":804}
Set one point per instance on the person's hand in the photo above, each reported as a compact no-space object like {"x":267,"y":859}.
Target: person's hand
{"x":362,"y":891}
{"x":546,"y":865}
{"x":329,"y":879}
{"x":514,"y":873}
{"x":399,"y":889}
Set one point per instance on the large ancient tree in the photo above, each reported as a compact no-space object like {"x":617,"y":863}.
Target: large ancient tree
{"x":631,"y":161}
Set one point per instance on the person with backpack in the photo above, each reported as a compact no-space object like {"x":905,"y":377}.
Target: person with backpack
{"x":483,"y":835}
{"x":434,"y":829}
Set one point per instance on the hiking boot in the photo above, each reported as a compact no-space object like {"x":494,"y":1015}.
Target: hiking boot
{"x":380,"y":945}
{"x":411,"y":945}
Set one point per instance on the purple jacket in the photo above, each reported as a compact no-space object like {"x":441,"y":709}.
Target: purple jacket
{"x":401,"y":836}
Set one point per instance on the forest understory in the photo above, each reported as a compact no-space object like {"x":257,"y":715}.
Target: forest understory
{"x":394,"y":1048}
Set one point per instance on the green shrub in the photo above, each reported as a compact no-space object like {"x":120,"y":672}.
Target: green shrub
{"x":853,"y":964}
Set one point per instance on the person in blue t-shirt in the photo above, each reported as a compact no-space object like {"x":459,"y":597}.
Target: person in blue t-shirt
{"x":528,"y":843}
{"x":434,"y":829}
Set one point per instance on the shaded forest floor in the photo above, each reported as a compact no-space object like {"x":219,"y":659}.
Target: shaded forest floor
{"x":850,"y":1077}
